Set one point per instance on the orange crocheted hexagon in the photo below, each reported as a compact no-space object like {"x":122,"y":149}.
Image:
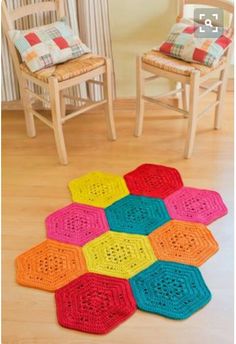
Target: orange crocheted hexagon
{"x":50,"y":265}
{"x":184,"y":242}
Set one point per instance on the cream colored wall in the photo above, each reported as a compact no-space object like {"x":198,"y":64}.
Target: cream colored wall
{"x":136,"y":27}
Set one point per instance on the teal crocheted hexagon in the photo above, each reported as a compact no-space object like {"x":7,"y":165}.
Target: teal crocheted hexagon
{"x":137,"y":215}
{"x":170,"y":289}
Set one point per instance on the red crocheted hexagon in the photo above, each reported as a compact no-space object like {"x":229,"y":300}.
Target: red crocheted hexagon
{"x":94,"y":303}
{"x":153,"y":180}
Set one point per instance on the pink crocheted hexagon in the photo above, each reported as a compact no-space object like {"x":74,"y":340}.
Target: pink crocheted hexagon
{"x":196,"y":205}
{"x":76,"y":224}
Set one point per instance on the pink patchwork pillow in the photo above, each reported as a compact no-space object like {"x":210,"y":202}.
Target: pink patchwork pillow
{"x":44,"y":46}
{"x":183,"y":43}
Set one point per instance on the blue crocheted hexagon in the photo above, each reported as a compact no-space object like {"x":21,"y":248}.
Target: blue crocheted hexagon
{"x":137,"y":214}
{"x":170,"y":289}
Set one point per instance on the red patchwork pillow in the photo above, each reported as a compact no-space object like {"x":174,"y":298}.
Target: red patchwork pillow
{"x":45,"y":46}
{"x":184,"y":43}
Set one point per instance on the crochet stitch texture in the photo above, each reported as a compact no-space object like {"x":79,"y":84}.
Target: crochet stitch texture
{"x":98,"y":189}
{"x":50,"y":265}
{"x":137,"y":214}
{"x":76,"y":224}
{"x":191,"y":204}
{"x":94,"y":303}
{"x":153,"y":180}
{"x":125,"y":243}
{"x":119,"y":254}
{"x":184,"y":242}
{"x":170,"y":289}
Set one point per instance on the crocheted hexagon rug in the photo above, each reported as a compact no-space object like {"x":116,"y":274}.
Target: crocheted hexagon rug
{"x":125,"y":243}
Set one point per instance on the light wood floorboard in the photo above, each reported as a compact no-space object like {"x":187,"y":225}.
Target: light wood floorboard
{"x":34,"y":185}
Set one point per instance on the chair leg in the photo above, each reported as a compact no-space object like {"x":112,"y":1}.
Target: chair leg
{"x":109,"y":104}
{"x":185,"y":98}
{"x":29,"y":117}
{"x":88,"y":91}
{"x":56,"y":119}
{"x":193,"y":113}
{"x":139,"y":98}
{"x":62,"y":105}
{"x":220,"y":97}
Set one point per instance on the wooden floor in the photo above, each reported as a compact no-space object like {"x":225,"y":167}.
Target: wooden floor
{"x":34,"y":185}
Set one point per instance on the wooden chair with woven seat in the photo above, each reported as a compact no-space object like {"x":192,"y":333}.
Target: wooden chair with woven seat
{"x":55,"y":80}
{"x":189,"y":75}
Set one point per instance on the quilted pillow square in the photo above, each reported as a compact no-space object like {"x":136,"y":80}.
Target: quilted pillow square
{"x":45,"y":46}
{"x":183,"y":43}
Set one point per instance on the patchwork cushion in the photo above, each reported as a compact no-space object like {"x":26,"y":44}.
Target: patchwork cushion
{"x":67,"y":70}
{"x":45,"y":46}
{"x":184,"y":43}
{"x":171,"y":64}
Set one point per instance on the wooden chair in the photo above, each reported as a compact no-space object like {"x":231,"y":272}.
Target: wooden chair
{"x":54,"y":81}
{"x":194,"y":75}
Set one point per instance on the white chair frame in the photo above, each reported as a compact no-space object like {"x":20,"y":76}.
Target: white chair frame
{"x":195,"y":82}
{"x":53,"y":88}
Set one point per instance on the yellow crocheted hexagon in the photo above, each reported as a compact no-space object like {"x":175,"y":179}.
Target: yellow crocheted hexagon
{"x":119,"y":254}
{"x":98,"y":189}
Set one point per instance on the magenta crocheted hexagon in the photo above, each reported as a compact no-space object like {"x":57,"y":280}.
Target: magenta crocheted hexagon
{"x":196,"y":205}
{"x":76,"y":224}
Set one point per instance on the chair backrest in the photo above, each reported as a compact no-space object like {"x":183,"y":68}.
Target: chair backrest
{"x":9,"y":17}
{"x":225,"y":5}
